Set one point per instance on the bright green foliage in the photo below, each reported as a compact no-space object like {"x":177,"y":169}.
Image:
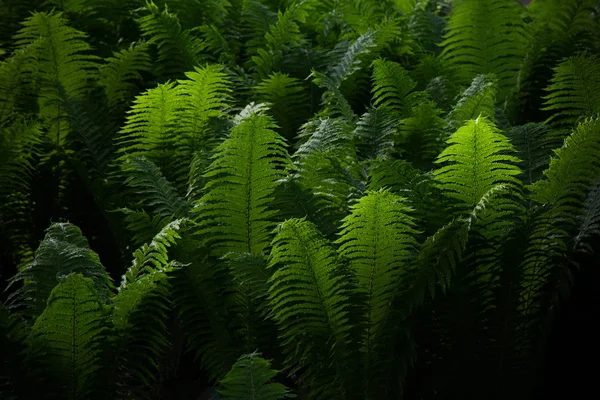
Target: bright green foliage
{"x":236,"y":214}
{"x":70,"y":334}
{"x":310,"y":302}
{"x":574,"y":91}
{"x":486,"y":37}
{"x":393,"y":88}
{"x":250,"y":379}
{"x":63,"y":251}
{"x":377,"y":239}
{"x":477,"y":159}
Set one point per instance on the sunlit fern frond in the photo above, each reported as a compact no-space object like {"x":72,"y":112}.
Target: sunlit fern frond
{"x":377,"y":239}
{"x":235,"y":213}
{"x":478,"y":158}
{"x":63,"y":251}
{"x":310,"y":302}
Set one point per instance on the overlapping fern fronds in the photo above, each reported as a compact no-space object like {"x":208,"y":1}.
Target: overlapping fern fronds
{"x":310,"y":303}
{"x":250,"y":379}
{"x":574,"y":91}
{"x":70,"y":337}
{"x":486,"y":37}
{"x":63,"y":251}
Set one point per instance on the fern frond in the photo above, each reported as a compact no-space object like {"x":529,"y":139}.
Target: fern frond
{"x":20,"y":147}
{"x":121,"y":74}
{"x":574,"y":91}
{"x":154,"y":191}
{"x":151,"y":129}
{"x":478,"y":99}
{"x":139,"y":316}
{"x":480,"y":157}
{"x":64,"y":67}
{"x":72,"y":335}
{"x":178,"y":50}
{"x":393,"y":88}
{"x":352,"y":60}
{"x":281,"y":37}
{"x":250,"y":379}
{"x":377,"y":239}
{"x":375,"y":133}
{"x":63,"y":251}
{"x":310,"y":303}
{"x":235,"y":212}
{"x":205,"y":96}
{"x":486,"y":37}
{"x":153,"y":256}
{"x":534,"y":148}
{"x":287,"y":100}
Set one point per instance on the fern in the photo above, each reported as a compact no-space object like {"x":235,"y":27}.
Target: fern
{"x":235,"y":213}
{"x":486,"y":37}
{"x":375,"y":133}
{"x":287,"y":100}
{"x":178,"y":50}
{"x":377,"y":239}
{"x":534,"y":148}
{"x":282,"y":35}
{"x":120,"y":75}
{"x":64,"y":66}
{"x":478,"y":158}
{"x":574,"y":91}
{"x":561,"y":196}
{"x":310,"y":302}
{"x":63,"y":251}
{"x":478,"y":99}
{"x":71,"y":334}
{"x":393,"y":88}
{"x":250,"y":379}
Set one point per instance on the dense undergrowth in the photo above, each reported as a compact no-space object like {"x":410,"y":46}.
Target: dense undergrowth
{"x":328,"y":199}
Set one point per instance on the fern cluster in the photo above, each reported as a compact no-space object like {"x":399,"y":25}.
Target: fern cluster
{"x":325,"y":199}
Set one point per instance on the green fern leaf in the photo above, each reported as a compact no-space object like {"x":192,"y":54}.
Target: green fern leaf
{"x":478,"y":99}
{"x":71,"y":334}
{"x":393,"y":88}
{"x":178,"y":50}
{"x":486,"y":37}
{"x":63,"y":251}
{"x":310,"y":303}
{"x":574,"y":91}
{"x":477,"y":159}
{"x":64,"y":66}
{"x":589,"y":220}
{"x":235,"y":214}
{"x":121,"y":74}
{"x":250,"y":379}
{"x":377,"y":239}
